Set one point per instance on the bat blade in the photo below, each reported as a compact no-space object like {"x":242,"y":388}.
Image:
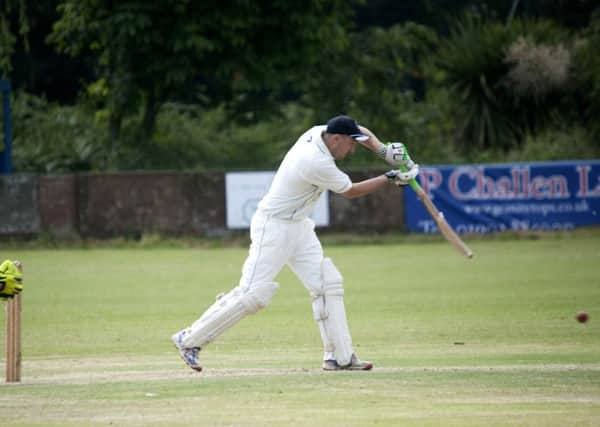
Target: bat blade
{"x":442,"y":224}
{"x":438,"y":218}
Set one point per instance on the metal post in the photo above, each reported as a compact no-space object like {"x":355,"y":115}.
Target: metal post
{"x":511,"y":14}
{"x":6,"y":153}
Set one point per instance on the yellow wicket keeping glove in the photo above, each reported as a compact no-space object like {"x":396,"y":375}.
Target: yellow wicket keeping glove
{"x":11,"y":279}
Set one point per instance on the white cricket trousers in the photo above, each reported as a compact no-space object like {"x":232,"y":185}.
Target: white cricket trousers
{"x":275,"y":243}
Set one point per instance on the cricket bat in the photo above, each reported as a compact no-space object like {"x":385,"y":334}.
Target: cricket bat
{"x":440,"y":221}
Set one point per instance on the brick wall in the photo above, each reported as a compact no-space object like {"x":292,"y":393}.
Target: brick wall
{"x":19,"y":205}
{"x":172,"y":204}
{"x":58,"y":207}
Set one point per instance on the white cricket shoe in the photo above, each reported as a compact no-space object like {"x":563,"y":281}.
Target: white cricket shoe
{"x":189,"y":355}
{"x":355,"y":365}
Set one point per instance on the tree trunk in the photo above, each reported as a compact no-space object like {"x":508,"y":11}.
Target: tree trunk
{"x":150,"y":112}
{"x":114,"y":131}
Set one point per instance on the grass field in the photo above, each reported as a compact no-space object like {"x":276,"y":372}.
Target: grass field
{"x":487,"y":342}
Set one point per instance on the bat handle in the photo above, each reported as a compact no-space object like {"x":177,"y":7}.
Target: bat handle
{"x":413,"y":182}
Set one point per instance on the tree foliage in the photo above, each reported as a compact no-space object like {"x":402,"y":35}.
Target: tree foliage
{"x":481,"y":61}
{"x":177,"y":84}
{"x":383,"y":80}
{"x":50,"y":138}
{"x":587,"y":75}
{"x":150,"y":52}
{"x":8,"y":39}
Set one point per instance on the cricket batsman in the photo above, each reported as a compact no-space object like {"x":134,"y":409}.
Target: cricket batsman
{"x":282,"y":233}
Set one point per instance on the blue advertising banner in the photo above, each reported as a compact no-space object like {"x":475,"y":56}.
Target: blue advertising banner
{"x":508,"y":197}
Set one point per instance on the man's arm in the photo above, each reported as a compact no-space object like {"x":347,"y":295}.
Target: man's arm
{"x":396,"y":177}
{"x":373,"y":143}
{"x":394,"y":153}
{"x":365,"y":187}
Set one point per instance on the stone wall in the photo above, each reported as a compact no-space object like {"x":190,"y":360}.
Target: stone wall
{"x":169,"y":203}
{"x":19,"y":213}
{"x":59,"y":207}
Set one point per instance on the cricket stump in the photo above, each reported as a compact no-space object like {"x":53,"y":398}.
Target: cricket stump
{"x":13,"y":339}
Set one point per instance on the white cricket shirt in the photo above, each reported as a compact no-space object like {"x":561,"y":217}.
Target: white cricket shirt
{"x":306,"y":171}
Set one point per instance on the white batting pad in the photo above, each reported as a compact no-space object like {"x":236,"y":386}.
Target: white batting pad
{"x":320,"y":315}
{"x":329,"y":311}
{"x":227,"y":311}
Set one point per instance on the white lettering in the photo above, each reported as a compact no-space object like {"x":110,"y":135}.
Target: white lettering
{"x":476,"y":185}
{"x":584,"y":183}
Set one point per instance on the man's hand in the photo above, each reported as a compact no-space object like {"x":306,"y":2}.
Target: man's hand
{"x":400,"y":178}
{"x":11,"y":279}
{"x":396,"y":154}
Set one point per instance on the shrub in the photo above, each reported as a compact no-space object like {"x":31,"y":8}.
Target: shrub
{"x":49,"y":138}
{"x":502,"y":79}
{"x":587,"y":75}
{"x":558,"y":143}
{"x":537,"y":70}
{"x":192,"y":137}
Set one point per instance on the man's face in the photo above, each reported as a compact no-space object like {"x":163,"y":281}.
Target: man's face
{"x":346,"y":146}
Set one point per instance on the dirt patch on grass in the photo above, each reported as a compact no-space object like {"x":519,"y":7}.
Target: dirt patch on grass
{"x":123,"y":369}
{"x":133,"y":369}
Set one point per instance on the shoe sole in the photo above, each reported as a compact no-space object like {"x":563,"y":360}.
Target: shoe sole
{"x":195,"y":368}
{"x":332,"y":369}
{"x":366,"y":367}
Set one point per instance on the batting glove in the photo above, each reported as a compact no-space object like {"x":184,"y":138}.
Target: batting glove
{"x":11,"y":279}
{"x":396,"y":154}
{"x":400,"y":178}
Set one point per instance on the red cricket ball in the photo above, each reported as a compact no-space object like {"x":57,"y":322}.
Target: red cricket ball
{"x":582,"y":317}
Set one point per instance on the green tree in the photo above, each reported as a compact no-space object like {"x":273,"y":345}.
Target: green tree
{"x":150,"y":52}
{"x":8,"y":39}
{"x":588,"y":75}
{"x":504,"y":78}
{"x":382,"y":79}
